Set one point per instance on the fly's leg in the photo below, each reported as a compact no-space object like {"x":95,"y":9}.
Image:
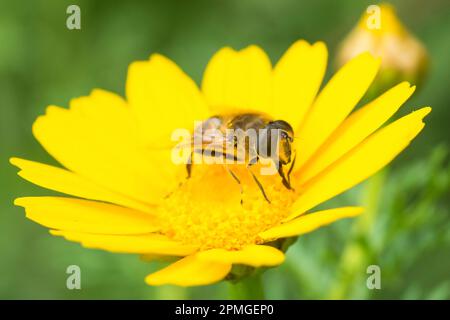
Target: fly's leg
{"x":237,"y":180}
{"x":291,"y":168}
{"x":189,"y":165}
{"x":260,"y":186}
{"x":190,"y":161}
{"x":285,"y":181}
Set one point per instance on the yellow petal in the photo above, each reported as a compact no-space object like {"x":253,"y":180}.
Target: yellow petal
{"x":334,"y":103}
{"x":97,"y":139}
{"x":356,"y":128}
{"x":252,"y":255}
{"x":163,"y":99}
{"x":64,"y":181}
{"x":238,"y":80}
{"x":296,"y":79}
{"x":86,"y":216}
{"x":309,"y":222}
{"x":190,"y":271}
{"x":357,"y":165}
{"x":138,"y":244}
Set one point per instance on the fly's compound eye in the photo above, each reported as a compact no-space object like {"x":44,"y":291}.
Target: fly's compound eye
{"x":284,"y":135}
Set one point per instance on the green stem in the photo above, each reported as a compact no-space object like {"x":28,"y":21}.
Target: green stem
{"x":249,"y":288}
{"x":172,"y":293}
{"x":358,"y":251}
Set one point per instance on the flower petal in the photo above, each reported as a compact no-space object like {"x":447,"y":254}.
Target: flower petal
{"x":86,"y":216}
{"x":163,"y":99}
{"x":334,"y":103}
{"x":296,"y":80}
{"x":309,"y":222}
{"x":238,"y":80}
{"x":97,"y":139}
{"x":360,"y":163}
{"x":356,"y":128}
{"x":252,"y":255}
{"x":190,"y":271}
{"x":64,"y":181}
{"x":138,"y":244}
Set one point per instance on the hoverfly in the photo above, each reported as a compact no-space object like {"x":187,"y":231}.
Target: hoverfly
{"x":273,"y":141}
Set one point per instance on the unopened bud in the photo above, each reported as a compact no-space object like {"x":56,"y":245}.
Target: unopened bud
{"x":403,"y":57}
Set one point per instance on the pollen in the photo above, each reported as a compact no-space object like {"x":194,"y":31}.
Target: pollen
{"x":210,"y":211}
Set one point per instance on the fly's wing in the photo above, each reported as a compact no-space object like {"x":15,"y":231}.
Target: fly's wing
{"x":206,"y":132}
{"x":195,"y":141}
{"x":211,"y":139}
{"x":199,"y":141}
{"x":216,"y":146}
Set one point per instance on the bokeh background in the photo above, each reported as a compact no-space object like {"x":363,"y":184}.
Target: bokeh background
{"x":407,"y":230}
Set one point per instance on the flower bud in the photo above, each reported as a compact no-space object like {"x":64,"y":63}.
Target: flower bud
{"x":380,"y":32}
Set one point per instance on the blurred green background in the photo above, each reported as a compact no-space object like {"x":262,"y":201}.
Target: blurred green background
{"x":407,"y":230}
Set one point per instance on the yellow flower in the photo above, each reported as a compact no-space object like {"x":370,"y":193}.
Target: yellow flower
{"x":380,"y":32}
{"x":131,"y":198}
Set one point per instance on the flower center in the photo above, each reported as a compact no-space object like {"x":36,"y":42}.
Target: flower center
{"x":206,"y":209}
